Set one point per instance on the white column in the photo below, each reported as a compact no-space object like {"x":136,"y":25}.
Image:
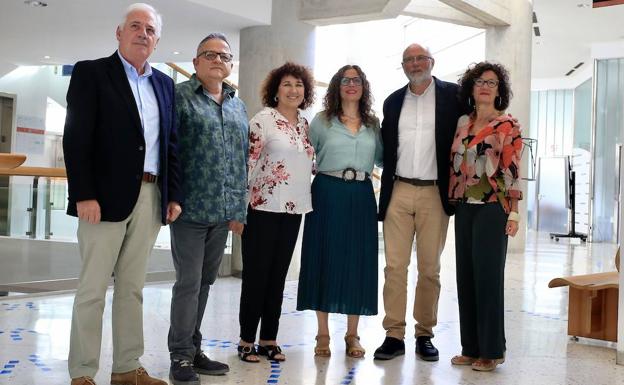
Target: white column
{"x":511,"y":46}
{"x":620,"y":334}
{"x":261,"y":50}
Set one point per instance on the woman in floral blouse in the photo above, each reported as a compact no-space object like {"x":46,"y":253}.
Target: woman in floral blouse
{"x":279,"y":167}
{"x":484,"y":183}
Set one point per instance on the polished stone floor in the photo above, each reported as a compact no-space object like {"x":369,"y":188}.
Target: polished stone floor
{"x":34,"y":333}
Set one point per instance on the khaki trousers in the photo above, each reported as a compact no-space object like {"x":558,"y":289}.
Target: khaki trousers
{"x":413,"y":211}
{"x":122,"y":248}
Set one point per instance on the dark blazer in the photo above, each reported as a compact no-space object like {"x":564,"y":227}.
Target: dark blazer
{"x":103,"y":143}
{"x":447,"y":112}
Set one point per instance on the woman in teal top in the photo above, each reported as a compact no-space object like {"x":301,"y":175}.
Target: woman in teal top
{"x":339,"y":253}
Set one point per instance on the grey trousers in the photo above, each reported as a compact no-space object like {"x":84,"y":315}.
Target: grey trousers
{"x":123,"y":248}
{"x":197,"y":251}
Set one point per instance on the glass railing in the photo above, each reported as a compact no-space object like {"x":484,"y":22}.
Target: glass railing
{"x":38,"y":211}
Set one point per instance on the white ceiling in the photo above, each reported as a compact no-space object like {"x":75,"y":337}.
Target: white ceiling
{"x":70,"y":30}
{"x":568,"y":32}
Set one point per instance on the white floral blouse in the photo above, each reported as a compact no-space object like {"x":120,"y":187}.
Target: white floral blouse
{"x":280,"y":163}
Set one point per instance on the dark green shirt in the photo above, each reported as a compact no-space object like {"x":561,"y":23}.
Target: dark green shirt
{"x":213,"y":149}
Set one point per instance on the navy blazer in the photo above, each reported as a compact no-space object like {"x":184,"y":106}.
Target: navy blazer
{"x":103,"y":143}
{"x":447,"y":112}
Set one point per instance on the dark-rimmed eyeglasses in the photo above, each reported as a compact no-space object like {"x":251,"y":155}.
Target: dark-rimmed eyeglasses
{"x":212,"y":55}
{"x":356,"y":81}
{"x":491,"y":83}
{"x":418,"y":59}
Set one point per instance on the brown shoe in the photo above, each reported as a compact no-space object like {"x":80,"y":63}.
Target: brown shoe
{"x":135,"y":377}
{"x":82,"y":381}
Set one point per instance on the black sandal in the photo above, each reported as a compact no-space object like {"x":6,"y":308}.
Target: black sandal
{"x":271,"y":351}
{"x":244,"y":352}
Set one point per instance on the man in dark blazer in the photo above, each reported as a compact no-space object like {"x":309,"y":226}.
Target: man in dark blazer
{"x":123,"y":176}
{"x":417,"y":131}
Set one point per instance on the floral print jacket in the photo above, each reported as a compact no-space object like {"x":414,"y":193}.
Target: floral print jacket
{"x":280,"y":163}
{"x":485,"y":166}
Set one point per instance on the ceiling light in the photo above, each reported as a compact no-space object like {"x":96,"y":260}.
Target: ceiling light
{"x":176,"y":52}
{"x":46,"y":57}
{"x":36,"y":3}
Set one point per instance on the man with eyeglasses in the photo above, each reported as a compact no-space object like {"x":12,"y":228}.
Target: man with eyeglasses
{"x":417,"y":131}
{"x":213,"y":147}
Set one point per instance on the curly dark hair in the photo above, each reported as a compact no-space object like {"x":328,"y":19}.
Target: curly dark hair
{"x":474,"y":71}
{"x":274,"y":78}
{"x":332,"y":104}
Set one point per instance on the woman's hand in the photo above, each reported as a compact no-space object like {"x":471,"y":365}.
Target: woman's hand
{"x":511,"y":228}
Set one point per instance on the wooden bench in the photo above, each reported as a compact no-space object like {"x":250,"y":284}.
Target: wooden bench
{"x":593,"y":303}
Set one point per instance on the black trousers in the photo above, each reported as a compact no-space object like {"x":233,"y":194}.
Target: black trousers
{"x":481,"y":249}
{"x":268,"y":243}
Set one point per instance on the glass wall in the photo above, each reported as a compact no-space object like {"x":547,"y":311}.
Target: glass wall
{"x":552,"y":124}
{"x":582,"y":115}
{"x":609,"y":125}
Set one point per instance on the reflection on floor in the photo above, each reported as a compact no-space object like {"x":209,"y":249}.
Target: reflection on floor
{"x":34,"y":333}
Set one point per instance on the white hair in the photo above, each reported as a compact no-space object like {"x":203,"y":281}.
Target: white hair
{"x":146,"y":8}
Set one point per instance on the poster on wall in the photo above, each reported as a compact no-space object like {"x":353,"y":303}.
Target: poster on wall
{"x":30,"y":135}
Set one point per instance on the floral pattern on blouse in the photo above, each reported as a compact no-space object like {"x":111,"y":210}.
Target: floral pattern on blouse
{"x":485,"y":167}
{"x":280,"y":163}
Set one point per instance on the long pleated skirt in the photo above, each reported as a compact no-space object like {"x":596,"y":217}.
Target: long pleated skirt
{"x":339,"y":252}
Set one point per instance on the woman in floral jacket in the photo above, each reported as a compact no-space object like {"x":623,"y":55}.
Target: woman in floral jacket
{"x":280,"y":164}
{"x":484,"y":183}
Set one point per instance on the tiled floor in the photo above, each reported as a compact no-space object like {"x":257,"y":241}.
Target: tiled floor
{"x":34,"y":333}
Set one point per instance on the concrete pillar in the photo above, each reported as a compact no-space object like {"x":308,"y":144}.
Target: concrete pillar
{"x":264,"y":48}
{"x":261,"y":50}
{"x":511,"y":46}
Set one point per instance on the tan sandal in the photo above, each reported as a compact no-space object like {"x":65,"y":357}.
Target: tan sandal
{"x":354,"y":349}
{"x":463,"y":360}
{"x":487,"y":365}
{"x":322,"y":346}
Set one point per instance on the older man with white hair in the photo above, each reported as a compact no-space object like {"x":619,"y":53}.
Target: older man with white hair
{"x":123,"y":176}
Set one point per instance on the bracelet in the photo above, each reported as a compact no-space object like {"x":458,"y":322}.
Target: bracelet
{"x":514,"y":216}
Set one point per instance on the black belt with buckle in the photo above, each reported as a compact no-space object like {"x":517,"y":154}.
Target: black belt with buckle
{"x":348,"y":174}
{"x":417,"y":182}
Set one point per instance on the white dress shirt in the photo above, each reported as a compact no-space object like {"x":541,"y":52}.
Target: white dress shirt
{"x":147,"y":104}
{"x":417,"y":151}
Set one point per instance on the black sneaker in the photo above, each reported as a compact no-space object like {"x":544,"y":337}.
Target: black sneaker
{"x":204,"y":365}
{"x":425,"y":349}
{"x":390,"y":348}
{"x":181,"y":373}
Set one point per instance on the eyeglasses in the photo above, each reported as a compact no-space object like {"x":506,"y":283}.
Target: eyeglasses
{"x":491,"y":83}
{"x":356,"y":81}
{"x":418,"y":59}
{"x":211,"y":55}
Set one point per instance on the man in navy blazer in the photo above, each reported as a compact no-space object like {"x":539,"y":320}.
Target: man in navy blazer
{"x":123,"y":176}
{"x":417,"y":131}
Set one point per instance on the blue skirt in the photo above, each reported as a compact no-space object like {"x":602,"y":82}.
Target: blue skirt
{"x":339,"y":252}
